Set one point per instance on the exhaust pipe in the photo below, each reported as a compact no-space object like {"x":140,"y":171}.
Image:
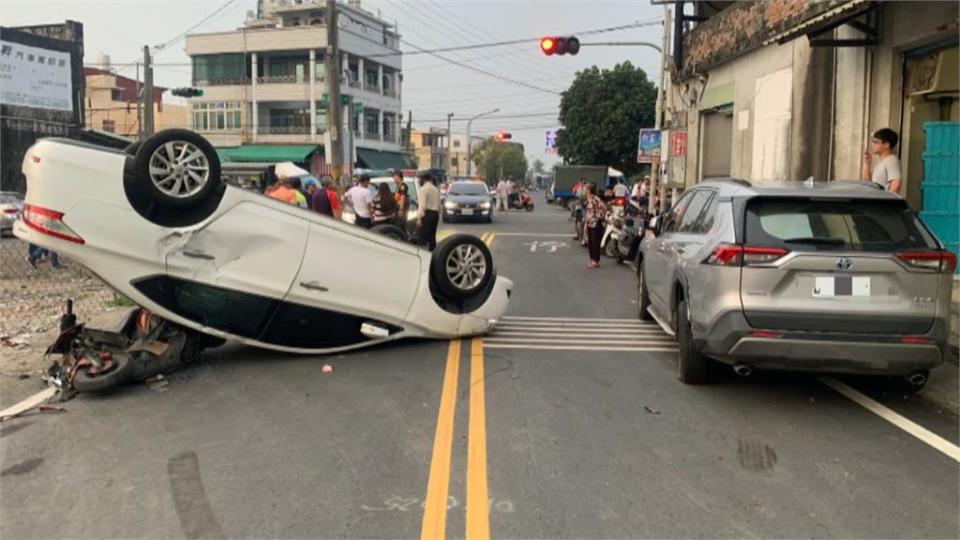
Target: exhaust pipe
{"x":742,"y":370}
{"x":917,"y":379}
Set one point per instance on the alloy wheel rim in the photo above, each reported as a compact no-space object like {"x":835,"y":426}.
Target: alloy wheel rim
{"x":179,"y":169}
{"x":466,"y":267}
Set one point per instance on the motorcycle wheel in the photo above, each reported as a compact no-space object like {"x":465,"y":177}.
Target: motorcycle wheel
{"x":610,"y":249}
{"x":529,"y":207}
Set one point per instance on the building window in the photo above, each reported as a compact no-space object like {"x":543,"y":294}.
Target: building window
{"x":456,"y":143}
{"x":116,"y":94}
{"x":109,"y":126}
{"x":371,"y":122}
{"x":455,"y":162}
{"x":217,"y":116}
{"x":218,"y":68}
{"x":370,"y":79}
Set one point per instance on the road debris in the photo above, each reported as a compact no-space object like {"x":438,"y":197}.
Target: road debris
{"x":327,"y":368}
{"x":20,"y":341}
{"x":650,"y":410}
{"x":158,"y":383}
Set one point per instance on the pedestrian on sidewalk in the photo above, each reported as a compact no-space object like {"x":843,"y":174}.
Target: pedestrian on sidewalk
{"x":320,"y":199}
{"x":297,"y":186}
{"x":596,"y":209}
{"x":385,"y":206}
{"x":503,"y":191}
{"x":361,"y":201}
{"x":332,"y":196}
{"x":886,"y":169}
{"x":428,"y":215}
{"x":312,"y":186}
{"x":282,"y":191}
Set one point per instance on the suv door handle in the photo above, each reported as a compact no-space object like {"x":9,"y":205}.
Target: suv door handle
{"x":198,"y":255}
{"x":313,"y":285}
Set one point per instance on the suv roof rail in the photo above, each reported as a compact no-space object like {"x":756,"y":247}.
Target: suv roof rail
{"x":849,"y":184}
{"x":737,"y":181}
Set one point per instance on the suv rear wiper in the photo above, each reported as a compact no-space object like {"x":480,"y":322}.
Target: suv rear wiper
{"x":812,"y":240}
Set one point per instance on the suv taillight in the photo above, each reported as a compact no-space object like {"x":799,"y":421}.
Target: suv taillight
{"x":737,"y":255}
{"x":48,"y":222}
{"x":944,"y":262}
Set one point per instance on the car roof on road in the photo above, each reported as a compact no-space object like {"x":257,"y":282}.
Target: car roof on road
{"x":838,"y":188}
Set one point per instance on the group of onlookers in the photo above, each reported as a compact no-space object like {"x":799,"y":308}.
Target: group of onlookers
{"x":384,"y":206}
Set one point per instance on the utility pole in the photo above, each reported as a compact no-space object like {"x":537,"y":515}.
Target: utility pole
{"x":410,"y":131}
{"x":332,"y":68}
{"x":139,"y":103}
{"x":449,"y":116}
{"x":147,"y":92}
{"x":658,"y":122}
{"x":469,"y":140}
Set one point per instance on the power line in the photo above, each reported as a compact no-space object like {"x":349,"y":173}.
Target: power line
{"x":166,"y":44}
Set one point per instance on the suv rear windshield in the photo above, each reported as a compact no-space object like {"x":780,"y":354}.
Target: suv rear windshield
{"x":468,"y":188}
{"x":834,"y":225}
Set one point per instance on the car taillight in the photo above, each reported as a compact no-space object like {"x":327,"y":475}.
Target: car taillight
{"x":9,"y":210}
{"x":736,"y":255}
{"x":939,"y":261}
{"x":48,"y":222}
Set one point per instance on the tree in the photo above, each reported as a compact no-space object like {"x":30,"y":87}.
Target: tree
{"x":495,"y":158}
{"x":537,"y":166}
{"x":602,"y":113}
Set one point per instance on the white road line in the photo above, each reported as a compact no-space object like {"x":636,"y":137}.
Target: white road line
{"x":581,"y":329}
{"x":497,"y":339}
{"x":582,"y":337}
{"x":575,"y":319}
{"x":39,"y":398}
{"x":571,"y":324}
{"x":896,"y":419}
{"x":578,"y":348}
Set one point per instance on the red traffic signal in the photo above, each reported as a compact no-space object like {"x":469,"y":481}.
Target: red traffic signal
{"x":551,"y":45}
{"x":504,"y":136}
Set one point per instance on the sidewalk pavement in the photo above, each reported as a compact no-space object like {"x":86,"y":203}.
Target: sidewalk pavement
{"x":943,"y":387}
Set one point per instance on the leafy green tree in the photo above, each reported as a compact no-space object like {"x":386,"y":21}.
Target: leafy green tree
{"x":495,"y":158}
{"x":602,"y":113}
{"x":537,"y":166}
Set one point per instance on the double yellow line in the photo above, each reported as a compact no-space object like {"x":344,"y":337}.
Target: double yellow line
{"x":434,"y":525}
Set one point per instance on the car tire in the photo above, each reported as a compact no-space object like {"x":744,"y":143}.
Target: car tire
{"x":132,"y":148}
{"x":643,"y":296}
{"x":177,"y":168}
{"x":458,"y":254}
{"x":390,"y":231}
{"x":693,"y":365}
{"x":84,"y":382}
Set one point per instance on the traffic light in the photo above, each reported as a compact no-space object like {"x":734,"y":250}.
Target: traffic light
{"x":551,"y":45}
{"x":504,"y":136}
{"x":187,"y":92}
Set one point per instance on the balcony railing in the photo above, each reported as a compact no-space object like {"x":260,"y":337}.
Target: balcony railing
{"x":219,"y":82}
{"x":371,"y":136}
{"x":286,"y":130}
{"x":389,"y":92}
{"x":354,"y":84}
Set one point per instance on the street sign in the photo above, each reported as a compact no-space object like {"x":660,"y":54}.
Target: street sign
{"x":648,"y":146}
{"x":325,"y":99}
{"x":678,"y":143}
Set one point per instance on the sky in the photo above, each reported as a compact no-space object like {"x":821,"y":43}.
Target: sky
{"x":432,"y":87}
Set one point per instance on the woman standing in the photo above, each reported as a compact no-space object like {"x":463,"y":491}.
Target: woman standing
{"x":385,"y":206}
{"x":596,"y":209}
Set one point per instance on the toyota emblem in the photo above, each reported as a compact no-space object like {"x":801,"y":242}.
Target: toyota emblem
{"x":844,"y":263}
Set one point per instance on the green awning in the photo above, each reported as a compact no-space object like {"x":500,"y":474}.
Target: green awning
{"x":716,"y":97}
{"x":381,"y":159}
{"x":270,"y":153}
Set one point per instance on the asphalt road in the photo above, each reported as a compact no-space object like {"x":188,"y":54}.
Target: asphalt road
{"x":567,"y":421}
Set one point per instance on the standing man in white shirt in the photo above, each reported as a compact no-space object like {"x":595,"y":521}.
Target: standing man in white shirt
{"x":885,"y":168}
{"x":359,"y":198}
{"x":428,"y":214}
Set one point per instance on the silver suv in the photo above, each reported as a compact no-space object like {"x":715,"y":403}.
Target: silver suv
{"x":837,"y":277}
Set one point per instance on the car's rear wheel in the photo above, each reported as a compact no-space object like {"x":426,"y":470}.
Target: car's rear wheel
{"x":643,"y":298}
{"x":462,"y":266}
{"x":693,"y":364}
{"x":177,"y":168}
{"x":391,"y":231}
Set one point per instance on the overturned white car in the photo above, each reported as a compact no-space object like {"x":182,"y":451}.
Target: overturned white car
{"x":156,"y":223}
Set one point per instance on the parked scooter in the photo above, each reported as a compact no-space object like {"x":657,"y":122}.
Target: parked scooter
{"x":625,"y":240}
{"x":615,"y":224}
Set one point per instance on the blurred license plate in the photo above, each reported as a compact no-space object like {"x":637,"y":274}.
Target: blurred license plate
{"x":832,"y":286}
{"x":467,"y":211}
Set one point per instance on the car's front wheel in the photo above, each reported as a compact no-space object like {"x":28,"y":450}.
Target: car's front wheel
{"x":462,"y":266}
{"x":177,"y":168}
{"x":693,"y":364}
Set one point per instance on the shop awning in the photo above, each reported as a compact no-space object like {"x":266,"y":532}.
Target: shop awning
{"x":269,"y":153}
{"x":382,"y":159}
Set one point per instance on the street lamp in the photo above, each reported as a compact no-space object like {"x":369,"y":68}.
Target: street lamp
{"x":469,"y":163}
